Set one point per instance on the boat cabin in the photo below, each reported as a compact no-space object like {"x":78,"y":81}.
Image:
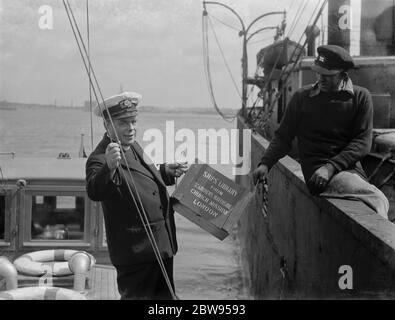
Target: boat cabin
{"x":44,"y":205}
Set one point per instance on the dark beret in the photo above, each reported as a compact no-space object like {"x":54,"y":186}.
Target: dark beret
{"x":332,"y":58}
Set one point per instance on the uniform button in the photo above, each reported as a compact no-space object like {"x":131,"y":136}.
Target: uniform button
{"x":160,"y":207}
{"x":154,"y":193}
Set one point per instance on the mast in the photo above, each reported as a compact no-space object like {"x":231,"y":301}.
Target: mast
{"x":82,"y":153}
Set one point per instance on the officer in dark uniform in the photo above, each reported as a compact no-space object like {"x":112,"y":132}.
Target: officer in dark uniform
{"x":139,"y":275}
{"x":333,"y":121}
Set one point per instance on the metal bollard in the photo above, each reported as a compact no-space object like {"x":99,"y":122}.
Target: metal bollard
{"x":79,"y":264}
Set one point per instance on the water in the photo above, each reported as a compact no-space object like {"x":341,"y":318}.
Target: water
{"x":205,"y":267}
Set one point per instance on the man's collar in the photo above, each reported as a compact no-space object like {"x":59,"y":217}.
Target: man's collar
{"x":344,"y":85}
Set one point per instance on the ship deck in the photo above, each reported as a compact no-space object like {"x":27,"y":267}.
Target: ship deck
{"x":103,"y":283}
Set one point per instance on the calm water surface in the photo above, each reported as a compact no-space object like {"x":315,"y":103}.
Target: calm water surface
{"x":205,"y":267}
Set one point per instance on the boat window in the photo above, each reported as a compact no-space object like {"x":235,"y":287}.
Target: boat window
{"x":57,"y":217}
{"x":2,"y":216}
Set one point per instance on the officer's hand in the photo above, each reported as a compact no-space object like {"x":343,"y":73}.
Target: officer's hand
{"x":260,"y":173}
{"x":321,"y":177}
{"x":176,"y":169}
{"x":113,"y":155}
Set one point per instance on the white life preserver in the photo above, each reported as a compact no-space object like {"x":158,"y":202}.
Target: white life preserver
{"x":9,"y":273}
{"x":48,"y":262}
{"x":41,"y":293}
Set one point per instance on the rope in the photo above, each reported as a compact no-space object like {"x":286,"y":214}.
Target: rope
{"x":207,"y":72}
{"x":89,"y":73}
{"x":142,"y":215}
{"x":297,"y":17}
{"x":224,"y":58}
{"x":288,"y":73}
{"x":206,"y":56}
{"x":225,"y":24}
{"x":274,"y":67}
{"x":261,"y":40}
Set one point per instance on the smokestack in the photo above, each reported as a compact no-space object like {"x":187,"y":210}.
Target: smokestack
{"x":339,"y":23}
{"x":312,"y":32}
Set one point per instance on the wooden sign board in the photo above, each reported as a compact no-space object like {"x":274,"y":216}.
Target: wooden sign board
{"x":209,"y":199}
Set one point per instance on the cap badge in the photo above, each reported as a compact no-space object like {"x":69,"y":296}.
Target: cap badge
{"x":321,"y":59}
{"x":125,"y":104}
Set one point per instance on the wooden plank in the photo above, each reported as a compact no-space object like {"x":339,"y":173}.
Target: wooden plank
{"x":111,"y":285}
{"x":93,"y":293}
{"x":115,"y":293}
{"x":106,"y":283}
{"x":102,"y":285}
{"x":91,"y":283}
{"x":32,"y":281}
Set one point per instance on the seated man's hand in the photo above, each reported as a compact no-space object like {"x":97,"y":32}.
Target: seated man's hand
{"x":260,"y":173}
{"x":321,"y":177}
{"x":176,"y":169}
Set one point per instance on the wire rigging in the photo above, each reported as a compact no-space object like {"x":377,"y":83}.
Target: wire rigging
{"x":142,"y":214}
{"x":288,"y":72}
{"x":269,"y":110}
{"x":298,"y":15}
{"x":207,"y":70}
{"x":89,"y":73}
{"x":206,"y":21}
{"x":224,"y":58}
{"x":224,"y":23}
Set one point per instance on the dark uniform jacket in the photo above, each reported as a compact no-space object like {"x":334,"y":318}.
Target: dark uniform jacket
{"x":331,"y":127}
{"x":127,"y":240}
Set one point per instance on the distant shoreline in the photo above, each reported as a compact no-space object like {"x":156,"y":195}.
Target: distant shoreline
{"x":5,"y":105}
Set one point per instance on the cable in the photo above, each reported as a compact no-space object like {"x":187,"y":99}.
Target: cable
{"x":262,"y":40}
{"x":89,"y":73}
{"x":225,"y":24}
{"x":296,"y":18}
{"x":143,"y":216}
{"x":288,"y":73}
{"x":267,"y":101}
{"x":206,"y":58}
{"x":224,"y":58}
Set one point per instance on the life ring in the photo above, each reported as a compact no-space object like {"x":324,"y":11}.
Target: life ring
{"x":41,"y":293}
{"x":9,"y":273}
{"x":49,"y":262}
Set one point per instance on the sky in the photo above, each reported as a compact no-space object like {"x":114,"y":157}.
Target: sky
{"x":153,"y":47}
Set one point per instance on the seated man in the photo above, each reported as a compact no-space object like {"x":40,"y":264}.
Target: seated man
{"x":333,"y":121}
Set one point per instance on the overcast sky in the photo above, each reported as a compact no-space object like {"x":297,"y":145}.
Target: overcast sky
{"x":153,"y":47}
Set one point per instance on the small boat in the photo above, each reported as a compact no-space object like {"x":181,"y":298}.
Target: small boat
{"x":44,"y":206}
